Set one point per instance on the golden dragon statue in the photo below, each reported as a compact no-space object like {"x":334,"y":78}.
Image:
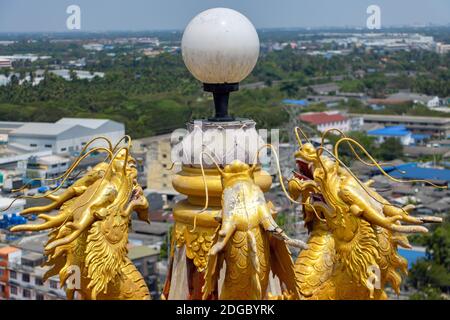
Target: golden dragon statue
{"x":90,"y":231}
{"x":354,"y":231}
{"x":249,"y":241}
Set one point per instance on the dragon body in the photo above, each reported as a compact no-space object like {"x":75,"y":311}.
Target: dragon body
{"x":354,"y":232}
{"x":88,"y":236}
{"x":249,"y":241}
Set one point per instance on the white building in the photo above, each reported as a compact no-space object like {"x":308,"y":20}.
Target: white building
{"x":80,"y":74}
{"x":66,"y":136}
{"x":26,"y":279}
{"x":15,"y":207}
{"x":23,"y":57}
{"x":4,"y":80}
{"x":442,"y":48}
{"x":5,"y":63}
{"x":47,"y":167}
{"x":93,"y":46}
{"x":398,"y":132}
{"x":327,"y":120}
{"x":434,"y":103}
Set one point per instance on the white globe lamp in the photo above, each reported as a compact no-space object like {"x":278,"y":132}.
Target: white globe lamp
{"x":220,"y":47}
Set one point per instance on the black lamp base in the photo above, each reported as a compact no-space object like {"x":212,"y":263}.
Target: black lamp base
{"x":221,"y":94}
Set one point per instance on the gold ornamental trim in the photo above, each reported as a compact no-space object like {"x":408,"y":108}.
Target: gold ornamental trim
{"x":197,"y":242}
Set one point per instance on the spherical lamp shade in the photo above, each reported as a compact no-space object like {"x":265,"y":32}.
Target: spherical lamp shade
{"x":220,"y":45}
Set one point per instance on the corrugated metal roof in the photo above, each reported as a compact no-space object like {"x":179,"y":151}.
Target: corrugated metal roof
{"x":46,"y":128}
{"x":138,"y":252}
{"x":396,"y":131}
{"x":410,"y":171}
{"x":296,"y":102}
{"x":322,"y":117}
{"x":57,"y":128}
{"x":90,"y":123}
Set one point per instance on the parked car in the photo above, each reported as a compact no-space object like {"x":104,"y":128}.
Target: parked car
{"x":43,"y":189}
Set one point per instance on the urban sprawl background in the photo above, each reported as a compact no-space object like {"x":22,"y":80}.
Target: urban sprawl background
{"x":389,"y":89}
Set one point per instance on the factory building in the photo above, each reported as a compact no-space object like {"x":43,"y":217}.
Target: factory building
{"x":66,"y":136}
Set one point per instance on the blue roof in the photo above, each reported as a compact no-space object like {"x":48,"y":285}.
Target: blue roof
{"x":403,"y":167}
{"x":396,"y":131}
{"x":411,"y":172}
{"x":411,"y":255}
{"x":296,"y":102}
{"x":419,"y":136}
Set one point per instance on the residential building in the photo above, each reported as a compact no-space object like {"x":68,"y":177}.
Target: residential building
{"x":21,"y":277}
{"x":7,"y":255}
{"x":26,"y":279}
{"x":327,"y":120}
{"x":159,"y":163}
{"x":442,"y":48}
{"x":21,"y":274}
{"x":46,"y":167}
{"x":5,"y":63}
{"x":144,"y":259}
{"x":65,"y":136}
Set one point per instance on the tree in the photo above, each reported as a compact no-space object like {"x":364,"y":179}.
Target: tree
{"x":290,"y":88}
{"x":431,"y":276}
{"x":346,"y":154}
{"x":73,"y":75}
{"x":390,"y":149}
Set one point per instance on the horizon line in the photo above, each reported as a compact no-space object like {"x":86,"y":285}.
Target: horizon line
{"x":318,"y":28}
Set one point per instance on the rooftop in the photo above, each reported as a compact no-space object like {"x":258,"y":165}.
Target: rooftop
{"x":154,"y":228}
{"x":5,"y":202}
{"x":52,"y":159}
{"x":33,"y":243}
{"x":409,"y":96}
{"x":147,"y":140}
{"x":50,"y":129}
{"x":403,"y":118}
{"x":32,"y":256}
{"x":395,"y":131}
{"x":138,"y":252}
{"x":325,"y":87}
{"x":302,"y":102}
{"x":60,"y":126}
{"x":411,"y":171}
{"x":7,"y":250}
{"x":322,"y":117}
{"x":90,"y":123}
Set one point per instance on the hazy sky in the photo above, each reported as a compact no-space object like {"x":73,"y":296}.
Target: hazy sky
{"x":101,"y":15}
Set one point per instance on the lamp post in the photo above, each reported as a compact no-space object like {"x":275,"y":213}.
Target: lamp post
{"x":220,"y":48}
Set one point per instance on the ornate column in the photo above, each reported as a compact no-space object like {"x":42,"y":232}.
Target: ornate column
{"x":220,"y":48}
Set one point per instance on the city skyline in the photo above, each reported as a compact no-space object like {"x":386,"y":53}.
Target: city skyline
{"x":139,"y":15}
